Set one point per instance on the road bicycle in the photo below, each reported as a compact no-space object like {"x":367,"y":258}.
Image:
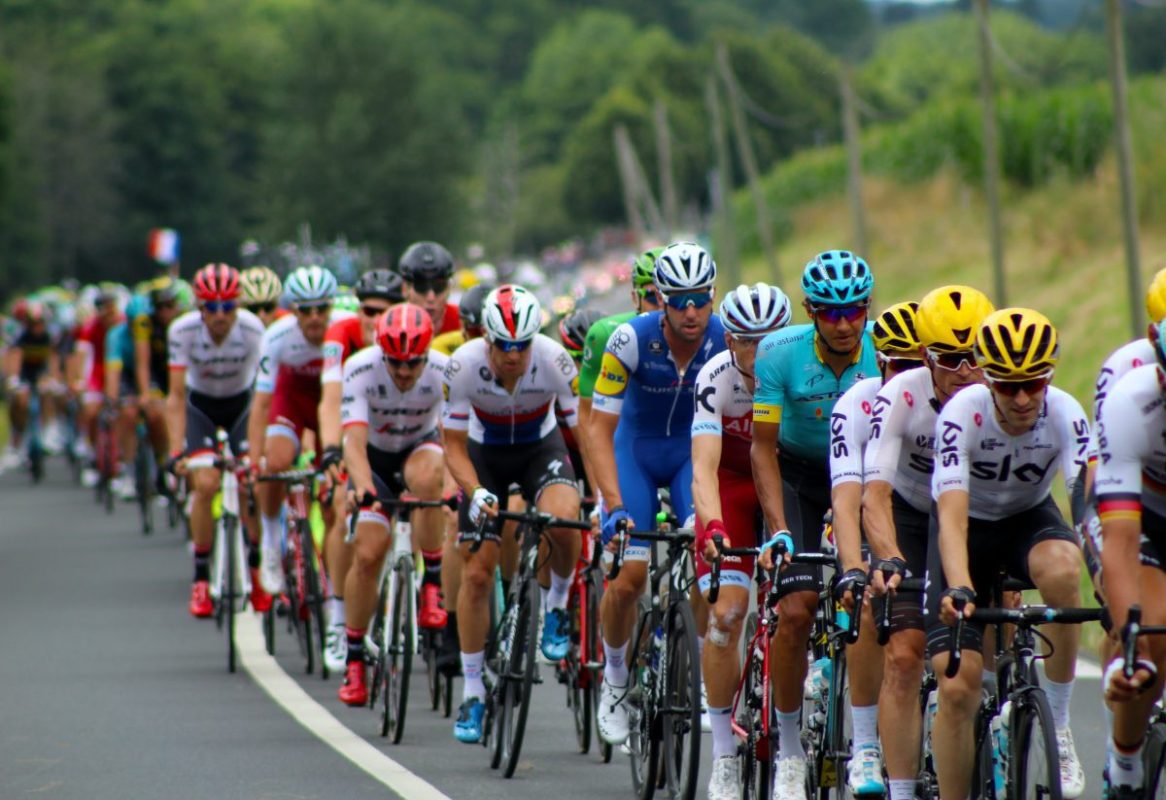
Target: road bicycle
{"x":512,"y":647}
{"x":33,"y":436}
{"x":145,"y":474}
{"x":106,"y":456}
{"x":1154,"y":752}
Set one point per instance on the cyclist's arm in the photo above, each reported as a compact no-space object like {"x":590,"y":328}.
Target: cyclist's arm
{"x":457,"y":459}
{"x":257,"y":424}
{"x":329,"y":414}
{"x":176,"y":409}
{"x":706,"y":489}
{"x":846,"y":503}
{"x":356,"y":456}
{"x":1120,"y":566}
{"x":601,"y":430}
{"x":113,"y":364}
{"x":877,"y":519}
{"x":953,"y":536}
{"x":767,"y":473}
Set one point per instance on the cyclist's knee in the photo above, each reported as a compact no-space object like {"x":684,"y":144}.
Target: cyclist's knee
{"x":626,"y":589}
{"x":1056,"y":571}
{"x":425,"y":474}
{"x":726,"y":620}
{"x":961,"y":695}
{"x":205,"y":482}
{"x":796,"y":614}
{"x":903,"y":664}
{"x":476,"y":579}
{"x":367,"y":559}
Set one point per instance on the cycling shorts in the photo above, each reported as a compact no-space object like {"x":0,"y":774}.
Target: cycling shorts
{"x":388,"y":474}
{"x":741,"y":513}
{"x":912,"y":531}
{"x":805,"y":488}
{"x":292,"y":413}
{"x":993,"y":546}
{"x":645,"y":464}
{"x":533,"y":467}
{"x":205,"y":414}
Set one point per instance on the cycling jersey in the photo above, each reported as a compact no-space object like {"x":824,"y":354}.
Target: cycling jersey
{"x":396,"y":420}
{"x":593,"y":348}
{"x":146,"y":329}
{"x":1004,"y":474}
{"x":119,"y":352}
{"x":35,"y":351}
{"x":451,"y":320}
{"x":447,"y":343}
{"x":341,"y":341}
{"x":289,"y":360}
{"x":850,"y":431}
{"x":216,"y":370}
{"x":1131,"y":471}
{"x":797,"y":390}
{"x":91,"y":341}
{"x":724,"y":407}
{"x":901,"y":450}
{"x":477,"y":402}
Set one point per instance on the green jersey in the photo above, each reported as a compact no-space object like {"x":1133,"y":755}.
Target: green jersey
{"x":593,"y":347}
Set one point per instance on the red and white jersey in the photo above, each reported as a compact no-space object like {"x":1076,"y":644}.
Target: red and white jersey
{"x":850,"y":430}
{"x":342,"y":340}
{"x":216,"y":370}
{"x":477,"y":402}
{"x":396,"y":420}
{"x":724,"y":407}
{"x":901,"y":450}
{"x":1005,"y":474}
{"x":289,"y":360}
{"x":1131,"y":432}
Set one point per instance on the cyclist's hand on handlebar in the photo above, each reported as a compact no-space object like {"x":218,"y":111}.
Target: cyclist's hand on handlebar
{"x":852,"y":582}
{"x":957,"y":602}
{"x":708,"y":549}
{"x":330,"y":465}
{"x":765,"y":560}
{"x":887,"y":574}
{"x":1120,"y":689}
{"x":618,"y":519}
{"x":176,"y":464}
{"x":482,"y":501}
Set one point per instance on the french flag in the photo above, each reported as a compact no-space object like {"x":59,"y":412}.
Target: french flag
{"x":163,"y":246}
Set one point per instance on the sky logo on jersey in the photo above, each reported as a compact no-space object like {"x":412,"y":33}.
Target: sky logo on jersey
{"x":949,"y":453}
{"x":613,"y":376}
{"x":838,"y":446}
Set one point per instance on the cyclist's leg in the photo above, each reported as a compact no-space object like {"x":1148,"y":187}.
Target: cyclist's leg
{"x":18,"y":400}
{"x":1053,"y":564}
{"x":550,"y":480}
{"x":424,"y":474}
{"x":280,"y":448}
{"x":156,"y":425}
{"x":204,"y":483}
{"x":238,"y":413}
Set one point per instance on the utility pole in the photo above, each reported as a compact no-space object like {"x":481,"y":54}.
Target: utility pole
{"x":853,"y":139}
{"x":749,"y":162}
{"x":722,"y":187}
{"x":1125,"y":163}
{"x":664,"y":161}
{"x":991,"y":154}
{"x":627,"y":180}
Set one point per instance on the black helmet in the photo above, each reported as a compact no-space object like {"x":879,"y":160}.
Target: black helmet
{"x":379,"y":283}
{"x":573,"y":329}
{"x":425,"y":260}
{"x":470,"y":306}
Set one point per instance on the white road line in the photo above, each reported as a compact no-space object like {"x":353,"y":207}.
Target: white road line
{"x":264,"y":669}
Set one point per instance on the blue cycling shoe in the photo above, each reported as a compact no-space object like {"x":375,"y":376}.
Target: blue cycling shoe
{"x":556,"y":639}
{"x":468,"y":728}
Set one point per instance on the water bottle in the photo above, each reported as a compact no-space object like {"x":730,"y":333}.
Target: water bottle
{"x":1000,"y":747}
{"x":657,"y":646}
{"x":818,"y":679}
{"x":929,"y":721}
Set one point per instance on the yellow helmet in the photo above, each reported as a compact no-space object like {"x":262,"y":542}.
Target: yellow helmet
{"x":1016,"y":344}
{"x":948,"y":317}
{"x":894,"y":329}
{"x":1156,"y":297}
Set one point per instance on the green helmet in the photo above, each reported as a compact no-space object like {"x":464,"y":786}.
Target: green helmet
{"x":345,"y":301}
{"x":644,"y":268}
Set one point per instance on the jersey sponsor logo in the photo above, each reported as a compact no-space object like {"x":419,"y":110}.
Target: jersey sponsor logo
{"x":741,"y":427}
{"x":876,"y":412}
{"x":563,"y":362}
{"x":866,"y":407}
{"x":991,"y":444}
{"x":766,"y":413}
{"x":555,"y":467}
{"x":613,"y":376}
{"x":705,"y":426}
{"x":921,"y":463}
{"x":1081,"y":431}
{"x":452,"y":368}
{"x":484,"y":373}
{"x":949,"y":453}
{"x":656,"y":347}
{"x":1150,"y":406}
{"x":1102,"y":385}
{"x":720,"y":369}
{"x":587,"y":352}
{"x":815,"y":380}
{"x":978,"y":419}
{"x":909,"y":399}
{"x":575,"y":386}
{"x":618,"y":341}
{"x":703,"y":395}
{"x":1003,"y":471}
{"x":838,"y":448}
{"x":265,"y":365}
{"x":445,"y":391}
{"x":360,"y":370}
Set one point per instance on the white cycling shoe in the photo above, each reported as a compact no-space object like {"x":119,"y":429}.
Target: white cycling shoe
{"x":789,"y":778}
{"x":864,"y":773}
{"x":271,"y":572}
{"x":1072,"y":776}
{"x":726,"y":779}
{"x":612,"y":719}
{"x":336,"y":649}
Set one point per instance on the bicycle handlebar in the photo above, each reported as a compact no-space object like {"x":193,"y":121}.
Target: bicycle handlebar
{"x":1023,"y":617}
{"x":883,"y":624}
{"x":538,"y":519}
{"x":679,"y":536}
{"x":290,"y":476}
{"x":401,"y":504}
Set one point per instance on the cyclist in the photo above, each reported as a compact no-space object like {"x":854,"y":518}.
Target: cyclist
{"x":896,"y":503}
{"x":391,"y":413}
{"x":639,"y":439}
{"x":644,"y":298}
{"x":31,"y":360}
{"x":470,"y":320}
{"x":260,"y":291}
{"x":214,"y":355}
{"x":800,"y":374}
{"x":426,"y":269}
{"x":1131,"y":501}
{"x":726,"y":503}
{"x":500,"y":429}
{"x":286,"y":400}
{"x":998,"y":448}
{"x":573,"y":334}
{"x":374,"y":291}
{"x":87,"y":370}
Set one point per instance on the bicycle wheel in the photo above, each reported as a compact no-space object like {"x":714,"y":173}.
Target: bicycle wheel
{"x":836,"y":757}
{"x":269,"y":630}
{"x":430,"y":647}
{"x":643,"y":725}
{"x":754,"y":753}
{"x":400,"y":660}
{"x":578,"y":691}
{"x":1034,"y":763}
{"x":593,"y":657}
{"x":232,"y":588}
{"x":681,"y":715}
{"x":1155,"y":759}
{"x":984,"y":774}
{"x":520,"y":680}
{"x":314,"y":598}
{"x":297,"y":610}
{"x":144,"y":465}
{"x":498,"y":648}
{"x":376,"y":634}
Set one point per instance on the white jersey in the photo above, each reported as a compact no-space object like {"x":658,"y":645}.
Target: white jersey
{"x":477,"y":402}
{"x":850,"y":430}
{"x":1005,"y":474}
{"x":216,"y":370}
{"x":1122,"y":360}
{"x":724,"y":407}
{"x":1131,"y":433}
{"x":396,"y":420}
{"x":287,"y":358}
{"x":902,"y":440}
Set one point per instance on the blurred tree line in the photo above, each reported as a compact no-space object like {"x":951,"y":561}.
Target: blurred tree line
{"x":392,"y":120}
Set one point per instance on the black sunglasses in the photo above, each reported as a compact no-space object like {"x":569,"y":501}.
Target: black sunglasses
{"x":427,"y":285}
{"x":265,"y":308}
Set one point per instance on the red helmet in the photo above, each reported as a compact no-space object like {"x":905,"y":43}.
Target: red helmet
{"x":20,"y":311}
{"x":216,"y":282}
{"x":404,"y":332}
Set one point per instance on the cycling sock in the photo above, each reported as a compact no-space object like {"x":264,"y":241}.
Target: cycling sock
{"x":560,"y":588}
{"x":615,"y":669}
{"x":1125,"y":767}
{"x":474,"y":686}
{"x":543,"y":594}
{"x":724,"y":742}
{"x":700,"y":646}
{"x":1060,"y":696}
{"x":336,"y":611}
{"x":253,"y":553}
{"x":902,"y":789}
{"x":432,"y":572}
{"x":355,"y":645}
{"x":202,"y":563}
{"x":865,"y":722}
{"x":789,"y":734}
{"x":271,"y":532}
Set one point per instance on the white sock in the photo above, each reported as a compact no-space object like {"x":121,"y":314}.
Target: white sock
{"x":700,"y":645}
{"x":789,"y":733}
{"x":1060,"y":695}
{"x":472,"y":669}
{"x":615,"y":669}
{"x":865,"y":721}
{"x":560,"y":587}
{"x":272,"y":532}
{"x":724,"y":742}
{"x":902,"y":789}
{"x":543,"y":592}
{"x":1125,"y":769}
{"x":336,"y":611}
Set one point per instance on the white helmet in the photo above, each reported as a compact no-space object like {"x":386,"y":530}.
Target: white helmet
{"x":684,"y":267}
{"x":310,"y":284}
{"x":511,"y":314}
{"x":755,"y":310}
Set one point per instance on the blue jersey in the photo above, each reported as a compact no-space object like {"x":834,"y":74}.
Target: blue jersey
{"x":639,"y":380}
{"x":797,"y":390}
{"x":119,"y":346}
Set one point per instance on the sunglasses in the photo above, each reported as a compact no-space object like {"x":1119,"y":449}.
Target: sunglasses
{"x":835,"y":314}
{"x":265,"y":308}
{"x":215,"y":306}
{"x":680,"y":302}
{"x":1030,"y":387}
{"x":650,"y":295}
{"x":316,"y":308}
{"x":372,"y":311}
{"x":900,"y":364}
{"x":166,"y":306}
{"x":398,"y":363}
{"x":952,"y":361}
{"x":427,"y":285}
{"x":511,"y":347}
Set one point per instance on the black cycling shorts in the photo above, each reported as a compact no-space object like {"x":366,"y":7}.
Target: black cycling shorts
{"x":205,"y":414}
{"x":805,"y":489}
{"x":912,"y":531}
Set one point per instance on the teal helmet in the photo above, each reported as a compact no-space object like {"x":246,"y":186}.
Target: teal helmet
{"x":837,"y":278}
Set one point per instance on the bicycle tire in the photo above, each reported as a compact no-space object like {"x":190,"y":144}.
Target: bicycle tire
{"x":839,"y":734}
{"x":753,"y":755}
{"x":681,"y":717}
{"x":984,"y":773}
{"x":521,"y":678}
{"x":314,"y":597}
{"x":296,"y":610}
{"x":498,"y":654}
{"x":578,"y":692}
{"x":269,"y":629}
{"x":401,"y":652}
{"x":1155,"y":760}
{"x":643,"y":725}
{"x":594,"y":657}
{"x":447,"y":696}
{"x":232,"y":590}
{"x":376,"y":634}
{"x":1034,"y":763}
{"x":430,"y":641}
{"x":144,"y":484}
